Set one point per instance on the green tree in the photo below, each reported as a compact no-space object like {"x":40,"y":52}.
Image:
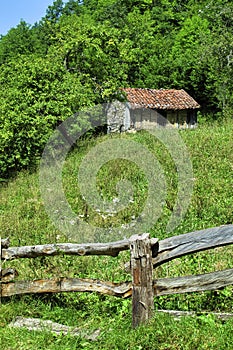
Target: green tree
{"x":219,"y":53}
{"x":18,"y":41}
{"x":54,"y":11}
{"x":36,"y":93}
{"x":72,"y":7}
{"x":188,"y":61}
{"x":94,"y":51}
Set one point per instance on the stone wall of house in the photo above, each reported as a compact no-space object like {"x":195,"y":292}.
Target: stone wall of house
{"x":116,"y":115}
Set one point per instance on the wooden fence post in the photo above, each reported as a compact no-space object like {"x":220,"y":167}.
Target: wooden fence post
{"x":142,"y":283}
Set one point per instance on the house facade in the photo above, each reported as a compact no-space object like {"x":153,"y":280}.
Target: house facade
{"x":149,"y":108}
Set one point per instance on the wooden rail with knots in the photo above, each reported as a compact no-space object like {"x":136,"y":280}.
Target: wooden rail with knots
{"x":145,"y":254}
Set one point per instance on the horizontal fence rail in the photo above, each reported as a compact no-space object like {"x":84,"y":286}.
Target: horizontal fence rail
{"x":161,"y":286}
{"x":167,"y":249}
{"x":193,"y":242}
{"x":111,"y":249}
{"x":146,"y":253}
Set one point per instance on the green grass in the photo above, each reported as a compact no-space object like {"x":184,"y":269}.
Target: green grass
{"x":24,"y":220}
{"x":162,"y":332}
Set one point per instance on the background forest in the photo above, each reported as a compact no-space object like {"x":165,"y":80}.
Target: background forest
{"x":81,"y":52}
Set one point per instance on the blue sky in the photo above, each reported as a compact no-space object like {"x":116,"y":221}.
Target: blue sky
{"x":12,"y":11}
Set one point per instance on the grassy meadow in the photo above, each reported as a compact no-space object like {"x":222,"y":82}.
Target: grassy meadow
{"x":25,"y":221}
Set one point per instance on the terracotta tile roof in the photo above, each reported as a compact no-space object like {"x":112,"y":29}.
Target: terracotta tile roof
{"x":160,"y":99}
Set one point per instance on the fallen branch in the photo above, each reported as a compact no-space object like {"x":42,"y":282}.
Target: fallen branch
{"x":35,"y":324}
{"x":178,"y":314}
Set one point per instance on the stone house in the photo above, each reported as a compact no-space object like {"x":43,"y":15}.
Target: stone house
{"x":147,"y":108}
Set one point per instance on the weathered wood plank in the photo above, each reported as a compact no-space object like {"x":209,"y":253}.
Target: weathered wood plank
{"x":36,"y":324}
{"x":111,"y":249}
{"x":142,"y":284}
{"x":58,"y":285}
{"x":8,"y":274}
{"x":177,"y":246}
{"x":5,"y":242}
{"x":168,"y":249}
{"x":178,"y":314}
{"x":162,"y":286}
{"x":198,"y":283}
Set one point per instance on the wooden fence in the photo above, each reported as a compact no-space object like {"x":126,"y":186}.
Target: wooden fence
{"x":145,"y":254}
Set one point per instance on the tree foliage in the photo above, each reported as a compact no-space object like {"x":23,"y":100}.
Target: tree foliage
{"x":81,"y":52}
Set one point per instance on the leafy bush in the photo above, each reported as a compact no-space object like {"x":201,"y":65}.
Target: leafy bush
{"x":36,"y":93}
